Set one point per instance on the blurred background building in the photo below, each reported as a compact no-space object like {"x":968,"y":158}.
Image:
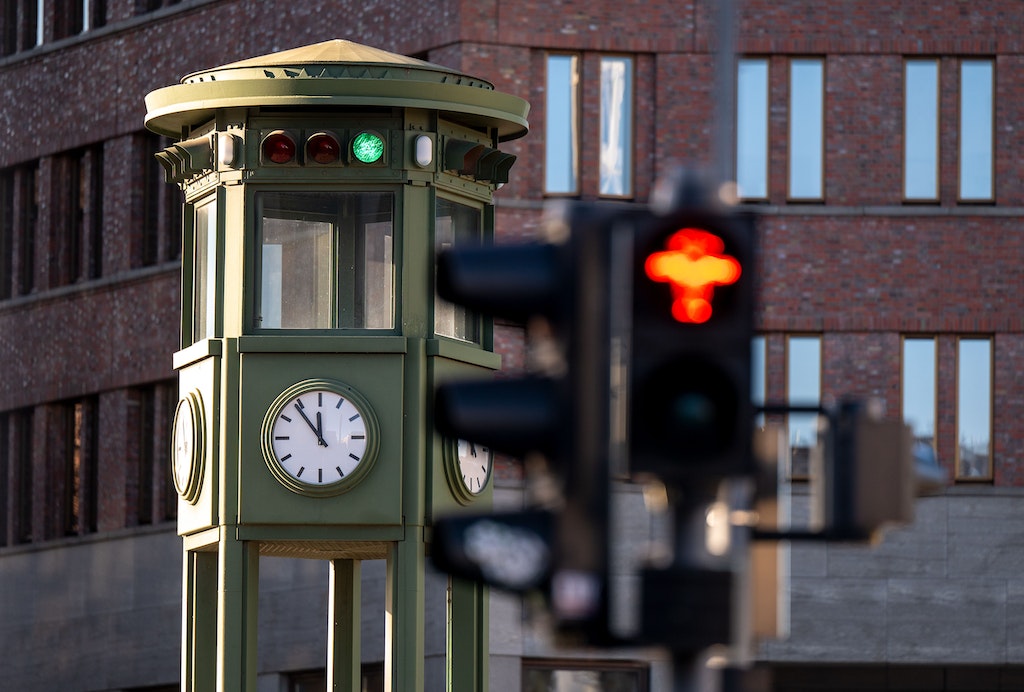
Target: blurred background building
{"x":880,"y":140}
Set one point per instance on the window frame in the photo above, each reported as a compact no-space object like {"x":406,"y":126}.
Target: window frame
{"x":763,"y":129}
{"x":936,"y":161}
{"x":990,"y":197}
{"x":628,"y":130}
{"x":574,"y":121}
{"x":989,"y":475}
{"x":819,"y":196}
{"x":641,"y":668}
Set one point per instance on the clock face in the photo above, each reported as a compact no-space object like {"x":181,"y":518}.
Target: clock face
{"x":187,"y":445}
{"x":474,"y":466}
{"x":468,"y":468}
{"x":319,"y":438}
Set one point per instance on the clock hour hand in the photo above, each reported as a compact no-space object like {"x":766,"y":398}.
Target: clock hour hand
{"x":314,"y":428}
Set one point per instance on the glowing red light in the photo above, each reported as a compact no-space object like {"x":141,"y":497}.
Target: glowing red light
{"x":323,"y":148}
{"x":278,"y":147}
{"x":693,"y":264}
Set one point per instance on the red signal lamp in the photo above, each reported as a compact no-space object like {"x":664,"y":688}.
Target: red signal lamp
{"x":278,"y":147}
{"x":323,"y":148}
{"x":693,"y":265}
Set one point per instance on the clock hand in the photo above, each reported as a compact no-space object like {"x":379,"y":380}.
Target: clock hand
{"x":312,"y":427}
{"x":320,"y":430}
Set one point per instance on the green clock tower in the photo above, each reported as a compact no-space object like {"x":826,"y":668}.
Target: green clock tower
{"x":319,"y":185}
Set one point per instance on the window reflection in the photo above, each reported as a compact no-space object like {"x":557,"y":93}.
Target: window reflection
{"x":919,"y":388}
{"x":806,"y":118}
{"x":976,"y":129}
{"x":616,"y":126}
{"x":803,"y":388}
{"x":204,"y":295}
{"x":455,"y":224}
{"x":974,"y":408}
{"x":561,"y":139}
{"x":325,"y":260}
{"x":920,"y":131}
{"x":752,"y":128}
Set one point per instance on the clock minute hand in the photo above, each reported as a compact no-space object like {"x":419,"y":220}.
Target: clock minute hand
{"x":319,"y":437}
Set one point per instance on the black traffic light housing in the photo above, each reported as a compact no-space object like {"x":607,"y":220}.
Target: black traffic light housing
{"x":694,"y":288}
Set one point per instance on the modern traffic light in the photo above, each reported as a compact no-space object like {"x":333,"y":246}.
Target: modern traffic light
{"x":693,"y":304}
{"x":562,"y":411}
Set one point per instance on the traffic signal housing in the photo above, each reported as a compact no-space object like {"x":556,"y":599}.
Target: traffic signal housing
{"x":694,"y":287}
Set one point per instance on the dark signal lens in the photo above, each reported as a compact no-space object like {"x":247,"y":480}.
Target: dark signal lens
{"x":323,"y":148}
{"x":278,"y":147}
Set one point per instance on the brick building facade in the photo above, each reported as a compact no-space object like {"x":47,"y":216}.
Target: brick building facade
{"x":864,"y":278}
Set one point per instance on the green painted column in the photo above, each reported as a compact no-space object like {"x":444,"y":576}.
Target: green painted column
{"x":405,"y":626}
{"x":344,"y":661}
{"x":238,"y":598}
{"x":199,"y":621}
{"x":468,"y":641}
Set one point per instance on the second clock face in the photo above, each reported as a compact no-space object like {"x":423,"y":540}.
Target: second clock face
{"x":474,"y":466}
{"x":320,"y":438}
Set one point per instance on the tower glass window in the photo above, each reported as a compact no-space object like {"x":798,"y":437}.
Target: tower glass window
{"x":204,"y":296}
{"x":455,"y":224}
{"x":326,"y":260}
{"x":806,"y":128}
{"x":921,"y":130}
{"x":561,"y":126}
{"x":616,"y":161}
{"x":976,"y":124}
{"x":752,"y":128}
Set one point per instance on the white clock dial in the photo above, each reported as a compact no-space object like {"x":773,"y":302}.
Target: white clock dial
{"x":475,"y":462}
{"x":319,"y":438}
{"x":187,"y":446}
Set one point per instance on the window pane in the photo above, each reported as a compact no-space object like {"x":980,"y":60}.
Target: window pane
{"x":920,"y":131}
{"x":455,"y":224}
{"x":204,"y":293}
{"x":561,"y":139}
{"x":974,"y":408}
{"x":803,"y":388}
{"x":757,"y":375}
{"x":919,"y":388}
{"x":752,"y":128}
{"x":616,"y":126}
{"x":976,"y":129}
{"x":806,"y":118}
{"x":326,"y":260}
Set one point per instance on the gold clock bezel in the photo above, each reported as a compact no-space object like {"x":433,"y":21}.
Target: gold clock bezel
{"x":453,"y":473}
{"x":343,"y":485}
{"x":190,"y":405}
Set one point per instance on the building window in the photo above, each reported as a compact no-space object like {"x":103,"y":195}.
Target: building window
{"x":160,"y":214}
{"x":616,"y":159}
{"x":81,"y":430}
{"x":806,"y":128}
{"x":28,"y":213}
{"x":73,"y":17}
{"x":77,"y":220}
{"x":144,"y":6}
{"x":974,"y":409}
{"x":371,"y":675}
{"x":918,"y":382}
{"x":976,"y":128}
{"x":326,"y":260}
{"x":561,"y":126}
{"x":21,"y":455}
{"x":455,"y":224}
{"x":566,"y":676}
{"x":758,"y":375}
{"x":803,"y":388}
{"x":752,"y":128}
{"x":6,"y":233}
{"x":921,"y":130}
{"x":5,"y":475}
